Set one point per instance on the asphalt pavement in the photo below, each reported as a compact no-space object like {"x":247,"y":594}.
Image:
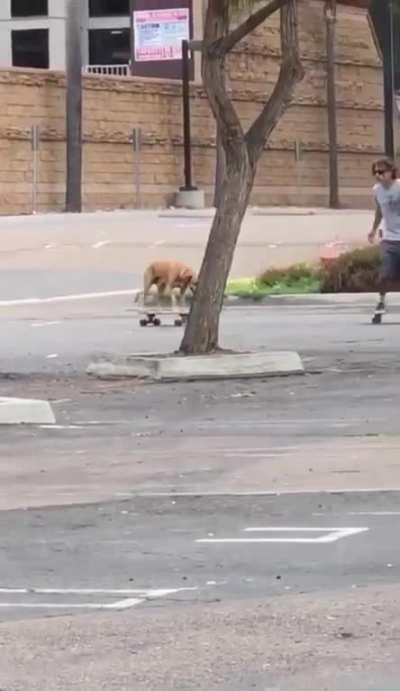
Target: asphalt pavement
{"x":235,"y":535}
{"x":147,"y":551}
{"x":64,"y":336}
{"x":129,"y":595}
{"x":41,"y":283}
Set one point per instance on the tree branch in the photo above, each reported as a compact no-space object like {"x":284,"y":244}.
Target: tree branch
{"x":232,"y":39}
{"x":214,"y":72}
{"x":290,"y":73}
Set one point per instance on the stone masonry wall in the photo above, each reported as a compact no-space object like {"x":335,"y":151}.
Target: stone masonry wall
{"x":114,"y":106}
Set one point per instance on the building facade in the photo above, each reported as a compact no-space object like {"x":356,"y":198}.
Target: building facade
{"x":292,"y":170}
{"x":33,"y":34}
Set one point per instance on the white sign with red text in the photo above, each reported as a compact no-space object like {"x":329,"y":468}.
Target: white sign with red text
{"x":158,"y":34}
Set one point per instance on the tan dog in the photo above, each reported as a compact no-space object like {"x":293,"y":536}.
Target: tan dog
{"x":169,"y":276}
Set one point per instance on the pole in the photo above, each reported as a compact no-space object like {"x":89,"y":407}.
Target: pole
{"x":35,"y":165}
{"x":137,"y":150}
{"x":187,"y":137}
{"x":74,"y":107}
{"x":132,"y":8}
{"x":388,"y":77}
{"x":392,"y":80}
{"x":330,"y":16}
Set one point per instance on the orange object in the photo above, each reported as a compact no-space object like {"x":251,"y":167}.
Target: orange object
{"x":331,"y":251}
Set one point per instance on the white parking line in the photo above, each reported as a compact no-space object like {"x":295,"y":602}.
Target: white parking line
{"x":152,"y":592}
{"x":101,"y":243}
{"x":123,"y":604}
{"x":330,"y":535}
{"x":39,"y":325}
{"x":86,"y":424}
{"x":373,"y":513}
{"x":67,"y":298}
{"x":142,"y":594}
{"x":61,"y":427}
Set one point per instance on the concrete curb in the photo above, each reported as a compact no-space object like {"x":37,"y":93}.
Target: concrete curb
{"x":357,"y":299}
{"x":189,"y":368}
{"x":284,"y":211}
{"x":25,"y":411}
{"x":311,"y":299}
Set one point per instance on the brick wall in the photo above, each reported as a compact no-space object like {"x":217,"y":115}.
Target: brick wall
{"x":113,"y":106}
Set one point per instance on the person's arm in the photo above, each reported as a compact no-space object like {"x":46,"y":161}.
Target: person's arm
{"x":376,"y":224}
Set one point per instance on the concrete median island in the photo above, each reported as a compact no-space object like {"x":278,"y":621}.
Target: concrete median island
{"x":175,"y":367}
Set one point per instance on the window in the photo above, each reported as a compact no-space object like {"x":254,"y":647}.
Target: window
{"x":109,"y":46}
{"x":30,"y":48}
{"x":104,"y":8}
{"x":29,"y":8}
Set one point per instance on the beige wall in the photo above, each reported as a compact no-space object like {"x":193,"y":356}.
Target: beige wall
{"x":113,"y":106}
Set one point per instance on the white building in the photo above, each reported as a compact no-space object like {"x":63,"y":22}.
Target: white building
{"x":32,"y":33}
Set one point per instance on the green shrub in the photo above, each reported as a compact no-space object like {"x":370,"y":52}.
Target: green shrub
{"x":246,"y":287}
{"x":298,"y":278}
{"x":353,"y":272}
{"x":290,"y":275}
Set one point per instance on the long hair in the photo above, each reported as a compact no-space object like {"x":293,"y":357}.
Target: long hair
{"x":386,"y":164}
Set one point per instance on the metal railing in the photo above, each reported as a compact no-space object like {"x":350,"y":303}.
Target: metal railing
{"x":114,"y":70}
{"x":36,"y":180}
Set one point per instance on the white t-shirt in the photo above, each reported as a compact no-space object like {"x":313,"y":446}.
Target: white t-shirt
{"x":388,"y":199}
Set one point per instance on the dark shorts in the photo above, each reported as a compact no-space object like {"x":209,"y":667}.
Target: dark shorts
{"x":390,"y":252}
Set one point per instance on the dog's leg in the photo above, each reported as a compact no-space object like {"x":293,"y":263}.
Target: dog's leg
{"x":173,"y":299}
{"x":183,"y":293}
{"x":161,"y":293}
{"x":147,"y":283}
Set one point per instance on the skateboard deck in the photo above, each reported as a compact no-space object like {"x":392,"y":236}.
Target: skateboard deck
{"x":151,"y":315}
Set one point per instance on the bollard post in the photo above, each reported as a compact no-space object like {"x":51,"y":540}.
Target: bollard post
{"x":35,"y":140}
{"x":137,"y":150}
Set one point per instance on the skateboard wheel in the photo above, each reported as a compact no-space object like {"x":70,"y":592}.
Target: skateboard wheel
{"x":157,"y":322}
{"x":377,"y":319}
{"x":178,"y":322}
{"x":143,"y":322}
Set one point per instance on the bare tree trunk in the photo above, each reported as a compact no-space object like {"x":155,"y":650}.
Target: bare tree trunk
{"x":242,"y":152}
{"x":201,"y":334}
{"x":220,"y":167}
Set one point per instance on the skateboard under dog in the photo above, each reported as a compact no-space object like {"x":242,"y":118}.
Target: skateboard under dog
{"x":152,"y":316}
